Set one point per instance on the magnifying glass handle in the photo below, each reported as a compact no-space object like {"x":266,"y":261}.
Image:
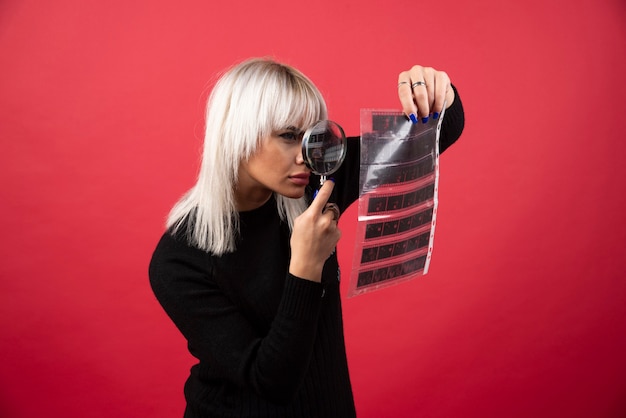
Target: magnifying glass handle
{"x":322,"y":180}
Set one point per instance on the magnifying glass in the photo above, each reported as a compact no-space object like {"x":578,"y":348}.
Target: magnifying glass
{"x":324,"y":148}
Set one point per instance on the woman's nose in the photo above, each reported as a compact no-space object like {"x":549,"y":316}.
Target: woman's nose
{"x":299,"y":157}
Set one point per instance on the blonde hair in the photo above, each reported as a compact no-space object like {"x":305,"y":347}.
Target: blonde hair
{"x":248,"y":103}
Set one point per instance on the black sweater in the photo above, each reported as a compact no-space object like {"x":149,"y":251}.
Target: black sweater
{"x":269,"y":344}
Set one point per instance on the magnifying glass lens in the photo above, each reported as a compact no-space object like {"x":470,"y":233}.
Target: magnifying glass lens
{"x":324,"y":147}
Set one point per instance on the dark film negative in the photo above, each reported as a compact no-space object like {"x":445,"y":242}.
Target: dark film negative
{"x":392,"y":175}
{"x":389,"y":203}
{"x":397,"y":199}
{"x":380,"y":275}
{"x":387,"y":122}
{"x":390,"y":228}
{"x":395,"y":249}
{"x":410,"y":144}
{"x":406,"y":224}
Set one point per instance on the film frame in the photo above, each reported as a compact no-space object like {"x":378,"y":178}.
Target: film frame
{"x":396,"y":248}
{"x":380,"y":229}
{"x":377,"y":276}
{"x":377,"y":204}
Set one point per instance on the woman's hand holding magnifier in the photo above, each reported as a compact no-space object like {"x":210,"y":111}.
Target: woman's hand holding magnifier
{"x":315,"y":236}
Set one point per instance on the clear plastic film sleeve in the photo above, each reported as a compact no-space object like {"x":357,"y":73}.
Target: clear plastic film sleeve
{"x":397,"y":206}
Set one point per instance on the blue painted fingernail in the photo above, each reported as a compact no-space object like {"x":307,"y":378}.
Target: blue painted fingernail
{"x":332,"y":179}
{"x":315,"y":194}
{"x":413,"y":118}
{"x":425,"y":120}
{"x":436,"y":115}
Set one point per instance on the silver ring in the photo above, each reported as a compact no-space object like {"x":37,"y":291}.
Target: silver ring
{"x":403,"y":82}
{"x":333,"y":208}
{"x":418,"y":83}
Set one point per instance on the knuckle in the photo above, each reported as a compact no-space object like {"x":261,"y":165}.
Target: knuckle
{"x":405,"y":94}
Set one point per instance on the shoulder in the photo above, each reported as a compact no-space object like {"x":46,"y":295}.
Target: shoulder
{"x":177,"y":243}
{"x":174,"y":257}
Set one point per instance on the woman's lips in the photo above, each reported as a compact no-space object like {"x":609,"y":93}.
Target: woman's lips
{"x":300,"y":179}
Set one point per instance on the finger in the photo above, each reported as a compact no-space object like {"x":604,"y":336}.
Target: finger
{"x":405,"y":94}
{"x":322,"y":196}
{"x":419,"y":87}
{"x":442,"y":85}
{"x":429,"y":79}
{"x":333,"y":209}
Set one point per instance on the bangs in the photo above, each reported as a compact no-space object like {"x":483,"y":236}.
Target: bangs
{"x":295,"y":102}
{"x":260,"y":98}
{"x":299,"y":109}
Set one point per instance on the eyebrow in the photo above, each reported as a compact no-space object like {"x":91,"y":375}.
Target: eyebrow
{"x":293,"y":129}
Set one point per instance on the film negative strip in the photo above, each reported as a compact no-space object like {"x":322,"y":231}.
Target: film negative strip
{"x":392,"y":272}
{"x":379,"y":177}
{"x":409,"y":223}
{"x":398,"y":182}
{"x":393,"y":202}
{"x":395,"y":248}
{"x":387,"y":121}
{"x":395,"y":149}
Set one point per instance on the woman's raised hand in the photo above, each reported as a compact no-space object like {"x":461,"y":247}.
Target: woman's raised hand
{"x":423,"y":91}
{"x":315,"y":235}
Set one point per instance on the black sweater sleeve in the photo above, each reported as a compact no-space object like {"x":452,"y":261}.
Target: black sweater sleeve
{"x":453,"y":123}
{"x":219,"y":334}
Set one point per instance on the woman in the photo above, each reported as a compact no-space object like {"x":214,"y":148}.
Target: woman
{"x":247,"y":268}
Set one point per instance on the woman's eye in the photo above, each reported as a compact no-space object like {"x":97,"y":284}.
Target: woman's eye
{"x":289,"y":135}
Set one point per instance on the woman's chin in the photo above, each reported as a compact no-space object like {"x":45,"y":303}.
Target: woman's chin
{"x":294,"y":194}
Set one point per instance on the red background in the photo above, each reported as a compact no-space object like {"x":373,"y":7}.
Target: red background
{"x":523,"y":312}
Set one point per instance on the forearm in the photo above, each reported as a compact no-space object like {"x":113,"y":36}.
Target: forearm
{"x":278,"y":367}
{"x":453,"y":122}
{"x":232,"y":342}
